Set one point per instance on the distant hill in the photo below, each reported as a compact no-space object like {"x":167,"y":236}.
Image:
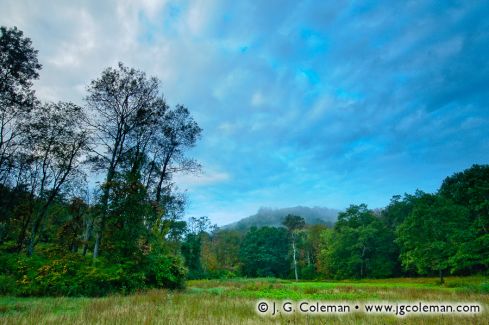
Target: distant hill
{"x":274,"y":217}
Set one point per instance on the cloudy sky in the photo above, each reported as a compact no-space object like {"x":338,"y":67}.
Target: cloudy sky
{"x":318,"y":103}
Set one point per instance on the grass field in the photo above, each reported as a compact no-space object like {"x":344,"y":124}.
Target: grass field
{"x":235,"y":301}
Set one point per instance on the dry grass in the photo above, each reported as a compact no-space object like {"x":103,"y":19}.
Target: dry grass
{"x":234,"y":302}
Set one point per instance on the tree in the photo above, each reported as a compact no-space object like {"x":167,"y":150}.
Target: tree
{"x":325,"y":252}
{"x":220,"y":254}
{"x":179,"y":132}
{"x":137,"y":133}
{"x":55,"y":142}
{"x":312,"y":250}
{"x":470,"y":188}
{"x":128,"y":237}
{"x":398,"y":209}
{"x":139,"y":144}
{"x":69,"y":233}
{"x":294,"y":224}
{"x":430,"y":235}
{"x":264,"y":252}
{"x":360,"y":245}
{"x":122,"y":102}
{"x":227,"y":243}
{"x":18,"y":67}
{"x":392,"y":217}
{"x":197,"y":231}
{"x":166,"y":156}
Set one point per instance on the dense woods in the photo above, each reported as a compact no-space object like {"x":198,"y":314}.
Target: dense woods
{"x":416,"y":234}
{"x":88,"y":204}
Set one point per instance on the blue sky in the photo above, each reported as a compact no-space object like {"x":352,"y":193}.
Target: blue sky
{"x":317,"y":103}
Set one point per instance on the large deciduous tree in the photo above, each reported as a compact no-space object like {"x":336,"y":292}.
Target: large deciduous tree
{"x":470,"y":189}
{"x":55,"y":142}
{"x":137,"y":134}
{"x":360,"y":246}
{"x":430,"y":235}
{"x":121,"y":102}
{"x":18,"y":68}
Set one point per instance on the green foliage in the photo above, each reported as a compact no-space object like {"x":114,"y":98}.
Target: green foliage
{"x":191,"y":250}
{"x":7,"y":284}
{"x":69,"y":274}
{"x":129,"y":208}
{"x":309,"y":247}
{"x":166,"y":271}
{"x":294,"y":222}
{"x":470,"y":189}
{"x":308,"y":272}
{"x":264,"y":252}
{"x":360,"y":246}
{"x":398,"y":209}
{"x":430,"y":235}
{"x":220,"y":254}
{"x":196,"y":245}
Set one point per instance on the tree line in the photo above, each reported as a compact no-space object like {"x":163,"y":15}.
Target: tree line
{"x":415,"y":235}
{"x":87,"y":199}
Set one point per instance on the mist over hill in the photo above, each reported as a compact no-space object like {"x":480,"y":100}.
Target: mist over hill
{"x":274,"y":217}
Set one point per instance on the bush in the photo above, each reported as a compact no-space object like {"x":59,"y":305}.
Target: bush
{"x":72,"y":274}
{"x":166,"y":271}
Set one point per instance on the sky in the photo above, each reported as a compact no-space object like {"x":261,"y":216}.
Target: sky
{"x":313,"y":103}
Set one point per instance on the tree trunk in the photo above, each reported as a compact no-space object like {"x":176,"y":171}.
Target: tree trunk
{"x":96,"y":247}
{"x":441,"y":276}
{"x":35,"y":226}
{"x":32,"y":242}
{"x":295,"y":261}
{"x":105,"y":206}
{"x":88,"y":231}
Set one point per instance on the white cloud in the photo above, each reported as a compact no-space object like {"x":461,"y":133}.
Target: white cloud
{"x":207,"y":178}
{"x":73,"y":52}
{"x":199,"y":17}
{"x":152,"y":7}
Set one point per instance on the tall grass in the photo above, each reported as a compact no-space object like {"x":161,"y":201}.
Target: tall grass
{"x":234,"y":302}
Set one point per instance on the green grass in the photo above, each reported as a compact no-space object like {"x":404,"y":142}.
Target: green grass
{"x":234,"y":302}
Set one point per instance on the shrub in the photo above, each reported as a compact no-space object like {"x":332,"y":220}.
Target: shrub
{"x":166,"y":271}
{"x":70,"y":274}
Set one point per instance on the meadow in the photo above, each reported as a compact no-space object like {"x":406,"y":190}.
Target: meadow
{"x":234,"y":301}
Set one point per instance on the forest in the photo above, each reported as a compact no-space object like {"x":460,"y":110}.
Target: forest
{"x":418,"y":234}
{"x":89,"y":205}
